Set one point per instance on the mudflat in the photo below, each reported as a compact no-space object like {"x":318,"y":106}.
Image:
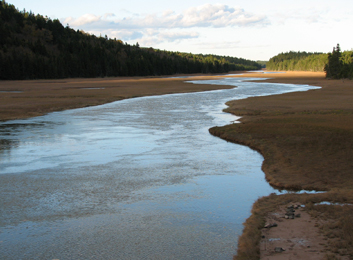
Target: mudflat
{"x":29,"y":98}
{"x":306,"y":139}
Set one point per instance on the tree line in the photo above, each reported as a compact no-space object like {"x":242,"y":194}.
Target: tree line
{"x":336,"y":64}
{"x":37,"y":47}
{"x":339,"y":64}
{"x":300,"y":61}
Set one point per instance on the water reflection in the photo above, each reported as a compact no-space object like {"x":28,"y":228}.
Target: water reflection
{"x":134,"y":179}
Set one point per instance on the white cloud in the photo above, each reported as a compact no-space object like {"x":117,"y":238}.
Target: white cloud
{"x":83,"y":20}
{"x":218,"y":16}
{"x":167,"y":26}
{"x":202,"y":16}
{"x":307,"y":16}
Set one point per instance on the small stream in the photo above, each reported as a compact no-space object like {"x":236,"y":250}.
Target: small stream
{"x":135,"y":179}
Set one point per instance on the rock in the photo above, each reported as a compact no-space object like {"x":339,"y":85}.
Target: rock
{"x":289,"y":215}
{"x":297,"y":216}
{"x":279,"y":249}
{"x":270,"y":225}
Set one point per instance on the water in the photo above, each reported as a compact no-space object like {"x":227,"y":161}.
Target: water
{"x":134,"y":179}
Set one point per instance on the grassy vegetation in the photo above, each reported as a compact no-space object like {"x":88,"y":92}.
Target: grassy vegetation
{"x":306,"y":139}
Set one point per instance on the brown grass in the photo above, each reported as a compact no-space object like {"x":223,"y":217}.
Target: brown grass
{"x":306,"y":139}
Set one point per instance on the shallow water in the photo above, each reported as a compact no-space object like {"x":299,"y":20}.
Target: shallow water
{"x":134,"y":179}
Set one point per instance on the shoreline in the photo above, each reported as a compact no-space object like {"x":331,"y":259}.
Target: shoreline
{"x":30,"y":98}
{"x":280,"y":127}
{"x":306,"y":139}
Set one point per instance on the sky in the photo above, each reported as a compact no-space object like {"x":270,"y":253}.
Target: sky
{"x":252,"y":29}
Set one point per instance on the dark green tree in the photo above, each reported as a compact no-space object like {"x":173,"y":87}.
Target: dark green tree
{"x":334,"y":65}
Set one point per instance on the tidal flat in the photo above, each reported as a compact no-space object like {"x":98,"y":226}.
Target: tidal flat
{"x":136,"y":178}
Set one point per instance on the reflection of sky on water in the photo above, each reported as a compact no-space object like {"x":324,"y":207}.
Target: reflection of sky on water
{"x":119,"y":179}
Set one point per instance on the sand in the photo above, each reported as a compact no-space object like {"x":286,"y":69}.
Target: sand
{"x":298,"y":237}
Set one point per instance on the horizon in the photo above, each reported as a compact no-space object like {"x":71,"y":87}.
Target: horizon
{"x":254,"y":31}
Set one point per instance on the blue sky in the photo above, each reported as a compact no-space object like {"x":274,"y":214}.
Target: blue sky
{"x":250,"y":29}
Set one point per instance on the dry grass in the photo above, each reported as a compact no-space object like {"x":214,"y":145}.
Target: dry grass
{"x":306,"y":139}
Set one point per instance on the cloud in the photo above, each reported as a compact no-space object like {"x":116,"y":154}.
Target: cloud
{"x":83,"y":20}
{"x":307,"y":16}
{"x":167,"y":26}
{"x":218,"y":16}
{"x":173,"y":36}
{"x":207,"y":15}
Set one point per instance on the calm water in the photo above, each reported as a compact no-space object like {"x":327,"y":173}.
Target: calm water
{"x":134,"y":179}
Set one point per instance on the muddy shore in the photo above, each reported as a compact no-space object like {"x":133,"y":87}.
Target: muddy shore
{"x":29,"y":98}
{"x":306,"y":139}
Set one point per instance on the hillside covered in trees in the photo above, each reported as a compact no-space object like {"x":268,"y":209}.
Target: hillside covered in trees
{"x":336,"y":64}
{"x":303,"y":61}
{"x":34,"y":47}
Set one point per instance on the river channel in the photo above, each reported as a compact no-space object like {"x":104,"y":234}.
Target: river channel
{"x":135,"y":179}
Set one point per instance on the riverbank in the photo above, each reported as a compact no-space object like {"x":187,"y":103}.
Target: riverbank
{"x":29,"y":98}
{"x":306,"y":139}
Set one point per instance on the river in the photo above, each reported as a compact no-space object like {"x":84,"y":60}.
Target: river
{"x":135,"y":179}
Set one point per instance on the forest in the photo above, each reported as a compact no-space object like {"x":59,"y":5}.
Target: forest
{"x":337,"y":64}
{"x":37,"y":47}
{"x":300,"y":61}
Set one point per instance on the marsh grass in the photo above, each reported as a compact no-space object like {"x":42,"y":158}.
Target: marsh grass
{"x":306,"y":139}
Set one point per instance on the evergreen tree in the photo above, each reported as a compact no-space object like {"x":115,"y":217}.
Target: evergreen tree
{"x":334,"y":65}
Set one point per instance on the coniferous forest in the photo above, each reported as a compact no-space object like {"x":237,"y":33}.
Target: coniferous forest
{"x":336,"y":64}
{"x":301,"y":61}
{"x":36,"y":47}
{"x":339,"y":64}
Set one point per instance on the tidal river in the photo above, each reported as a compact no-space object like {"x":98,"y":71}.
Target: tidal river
{"x":134,"y":179}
